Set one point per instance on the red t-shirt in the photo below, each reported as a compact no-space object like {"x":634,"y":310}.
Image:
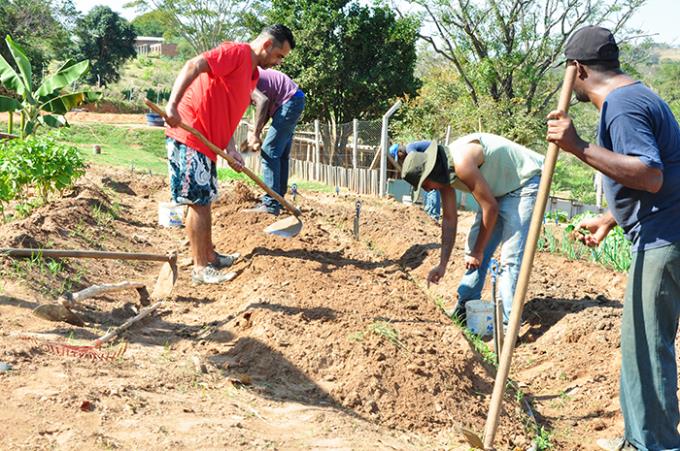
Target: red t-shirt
{"x":216,"y":100}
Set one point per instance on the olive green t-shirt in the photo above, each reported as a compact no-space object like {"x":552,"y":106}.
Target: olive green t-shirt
{"x":507,"y":165}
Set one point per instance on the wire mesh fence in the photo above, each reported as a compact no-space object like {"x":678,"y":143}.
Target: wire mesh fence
{"x":349,"y":145}
{"x":345,"y":155}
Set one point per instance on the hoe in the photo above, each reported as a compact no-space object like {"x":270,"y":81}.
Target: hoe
{"x":62,"y":312}
{"x":287,"y":227}
{"x":522,"y":282}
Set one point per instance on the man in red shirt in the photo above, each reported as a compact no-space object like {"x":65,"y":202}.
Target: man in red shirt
{"x":211,"y":93}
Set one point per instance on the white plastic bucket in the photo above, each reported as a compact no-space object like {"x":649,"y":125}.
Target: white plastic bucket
{"x":170,"y":214}
{"x":406,"y":200}
{"x":479,"y":317}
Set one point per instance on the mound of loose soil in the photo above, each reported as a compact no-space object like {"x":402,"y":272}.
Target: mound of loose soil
{"x":320,"y":341}
{"x":341,"y":322}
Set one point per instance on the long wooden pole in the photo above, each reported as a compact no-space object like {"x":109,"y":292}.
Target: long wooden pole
{"x":295,"y":211}
{"x":76,"y":253}
{"x":525,"y":270}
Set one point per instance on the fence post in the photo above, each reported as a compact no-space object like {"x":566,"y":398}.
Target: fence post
{"x":355,"y":141}
{"x":598,"y":189}
{"x":448,"y":135}
{"x":317,"y":149}
{"x":384,"y":144}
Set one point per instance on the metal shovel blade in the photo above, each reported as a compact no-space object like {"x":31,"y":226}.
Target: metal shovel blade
{"x":166,"y":281}
{"x":58,"y":313}
{"x":286,"y":227}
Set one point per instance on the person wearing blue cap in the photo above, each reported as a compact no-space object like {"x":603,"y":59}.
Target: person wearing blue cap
{"x":432,"y":203}
{"x":638,"y":152}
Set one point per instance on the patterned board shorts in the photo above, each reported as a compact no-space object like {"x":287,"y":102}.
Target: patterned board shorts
{"x":193,"y":176}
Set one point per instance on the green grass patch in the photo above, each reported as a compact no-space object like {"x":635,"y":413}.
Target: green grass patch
{"x":311,"y":186}
{"x":228,"y":174}
{"x":142,"y":148}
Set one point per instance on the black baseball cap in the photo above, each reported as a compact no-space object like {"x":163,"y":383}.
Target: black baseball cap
{"x":592,"y":43}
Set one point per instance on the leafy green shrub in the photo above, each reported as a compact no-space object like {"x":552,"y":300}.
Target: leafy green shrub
{"x":45,"y":104}
{"x":42,"y":162}
{"x":7,"y":192}
{"x":613,"y":252}
{"x":557,"y":216}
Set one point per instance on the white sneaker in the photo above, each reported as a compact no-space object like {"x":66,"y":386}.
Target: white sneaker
{"x":224,"y":261}
{"x":615,"y":444}
{"x":210,"y":275}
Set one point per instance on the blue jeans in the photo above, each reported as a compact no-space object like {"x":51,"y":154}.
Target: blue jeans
{"x":276,"y":149}
{"x":649,"y":372}
{"x":433,"y":204}
{"x":511,"y":230}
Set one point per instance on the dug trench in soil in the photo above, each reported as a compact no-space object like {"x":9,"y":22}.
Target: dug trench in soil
{"x":320,"y":320}
{"x":326,"y":319}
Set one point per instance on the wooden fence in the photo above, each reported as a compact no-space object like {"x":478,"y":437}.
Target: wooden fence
{"x":306,"y":154}
{"x":361,"y":181}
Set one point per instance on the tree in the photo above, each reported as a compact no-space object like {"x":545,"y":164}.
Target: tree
{"x":665,"y":81}
{"x":107,"y":40}
{"x":352,"y":61}
{"x":40,"y":26}
{"x":506,"y":49}
{"x":153,"y":23}
{"x":204,"y":24}
{"x":46,"y":104}
{"x":443,"y":101}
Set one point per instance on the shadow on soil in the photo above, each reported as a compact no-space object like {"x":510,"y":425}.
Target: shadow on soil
{"x":330,"y":261}
{"x":16,"y":302}
{"x":311,"y":314}
{"x":543,"y":313}
{"x":273,"y":376}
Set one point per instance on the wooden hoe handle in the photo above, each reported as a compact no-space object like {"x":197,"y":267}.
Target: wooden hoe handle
{"x":291,"y":208}
{"x":64,"y":253}
{"x":525,"y":270}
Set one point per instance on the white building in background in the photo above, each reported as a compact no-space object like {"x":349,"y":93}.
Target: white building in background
{"x":153,"y":46}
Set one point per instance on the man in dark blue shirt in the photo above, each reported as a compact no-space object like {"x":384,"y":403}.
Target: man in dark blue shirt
{"x":639,"y":155}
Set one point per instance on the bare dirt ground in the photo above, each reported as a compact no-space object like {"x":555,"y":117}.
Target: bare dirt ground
{"x":320,"y":342}
{"x":87,"y":116}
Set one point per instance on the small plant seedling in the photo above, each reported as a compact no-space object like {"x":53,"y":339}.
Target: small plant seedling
{"x":356,"y":336}
{"x":575,"y":234}
{"x":102,"y":216}
{"x":54,"y":267}
{"x":387,"y":331}
{"x":543,"y":439}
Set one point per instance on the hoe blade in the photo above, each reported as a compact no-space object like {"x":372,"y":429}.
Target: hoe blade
{"x":286,"y":227}
{"x":57,"y":312}
{"x":471,"y":438}
{"x":166,"y":281}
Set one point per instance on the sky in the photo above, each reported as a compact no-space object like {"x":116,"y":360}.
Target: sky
{"x":658,"y":17}
{"x":662,"y":17}
{"x":116,"y":5}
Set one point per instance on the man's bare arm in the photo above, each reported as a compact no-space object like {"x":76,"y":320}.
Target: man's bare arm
{"x":191,"y":69}
{"x":467,"y":162}
{"x":261,"y":111}
{"x":449,"y":226}
{"x":624,"y":169}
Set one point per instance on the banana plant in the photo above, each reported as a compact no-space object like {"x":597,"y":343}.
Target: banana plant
{"x":48,"y":103}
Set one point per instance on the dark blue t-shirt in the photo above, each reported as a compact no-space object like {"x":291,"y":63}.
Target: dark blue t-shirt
{"x":635,"y":121}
